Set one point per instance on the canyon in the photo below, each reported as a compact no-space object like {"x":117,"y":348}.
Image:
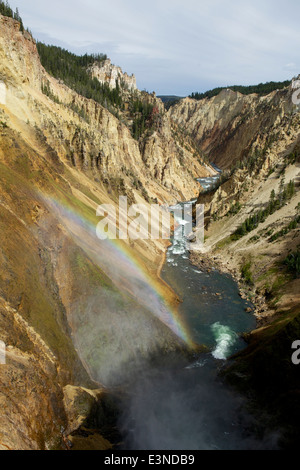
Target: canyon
{"x":78,"y":316}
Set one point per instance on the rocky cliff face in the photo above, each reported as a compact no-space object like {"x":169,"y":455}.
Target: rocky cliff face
{"x":259,"y":140}
{"x":60,"y":157}
{"x":260,"y":167}
{"x":231,"y":126}
{"x":108,"y":73}
{"x":87,"y":135}
{"x":69,"y":311}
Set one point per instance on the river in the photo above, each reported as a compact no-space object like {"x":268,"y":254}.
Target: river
{"x":186,"y":406}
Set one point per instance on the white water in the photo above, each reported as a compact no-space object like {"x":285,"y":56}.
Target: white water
{"x":222,"y":335}
{"x":182,"y":405}
{"x":225,"y":338}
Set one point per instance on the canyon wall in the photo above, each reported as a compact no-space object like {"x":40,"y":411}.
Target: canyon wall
{"x":252,"y":232}
{"x":68,"y":315}
{"x":230,"y":126}
{"x":73,"y":315}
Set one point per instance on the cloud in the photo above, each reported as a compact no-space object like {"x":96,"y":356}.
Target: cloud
{"x":177,"y":46}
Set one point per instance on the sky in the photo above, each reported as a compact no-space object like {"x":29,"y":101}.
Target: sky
{"x":176,"y":47}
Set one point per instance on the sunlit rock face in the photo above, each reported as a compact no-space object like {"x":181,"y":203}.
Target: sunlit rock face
{"x":2,"y":93}
{"x":52,"y":288}
{"x":231,"y":126}
{"x":64,"y":314}
{"x":108,"y":73}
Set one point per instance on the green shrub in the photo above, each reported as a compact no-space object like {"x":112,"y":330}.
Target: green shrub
{"x":72,"y":70}
{"x":262,"y":89}
{"x":274,"y":204}
{"x":291,"y":226}
{"x":6,"y":10}
{"x":246,"y":273}
{"x":293,"y":263}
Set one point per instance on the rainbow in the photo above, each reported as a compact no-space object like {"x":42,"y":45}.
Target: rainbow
{"x":118,"y":263}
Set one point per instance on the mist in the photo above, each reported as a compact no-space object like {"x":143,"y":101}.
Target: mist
{"x":169,"y":402}
{"x":118,"y":321}
{"x":189,"y":408}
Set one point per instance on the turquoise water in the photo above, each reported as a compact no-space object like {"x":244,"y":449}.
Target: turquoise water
{"x":208,"y":182}
{"x":203,"y":310}
{"x":185,"y":405}
{"x":211,"y":307}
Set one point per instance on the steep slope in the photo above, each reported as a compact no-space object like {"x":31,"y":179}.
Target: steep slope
{"x":75,"y":312}
{"x":252,"y":231}
{"x":230,"y":126}
{"x":252,"y":218}
{"x":69,"y":311}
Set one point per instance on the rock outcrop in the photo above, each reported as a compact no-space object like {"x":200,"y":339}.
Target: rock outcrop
{"x":106,"y":72}
{"x":67,"y":320}
{"x":229,"y":127}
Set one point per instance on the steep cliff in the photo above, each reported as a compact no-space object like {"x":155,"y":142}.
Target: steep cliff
{"x":251,"y":218}
{"x":74,"y":312}
{"x":108,"y":73}
{"x":252,"y":231}
{"x":230,"y":126}
{"x":70,"y":307}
